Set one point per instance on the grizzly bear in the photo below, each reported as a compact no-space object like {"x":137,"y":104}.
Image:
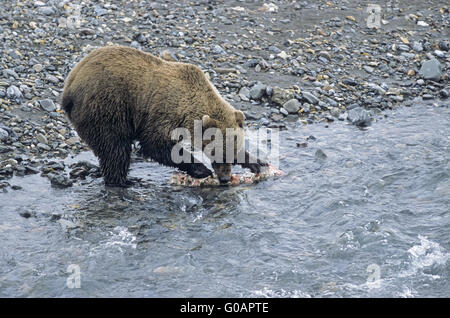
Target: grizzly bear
{"x":117,"y":95}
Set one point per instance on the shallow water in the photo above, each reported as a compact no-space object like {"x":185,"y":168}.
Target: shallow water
{"x":371,"y":219}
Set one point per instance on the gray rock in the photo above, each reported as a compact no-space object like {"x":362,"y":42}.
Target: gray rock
{"x":292,"y":106}
{"x":368,"y":69}
{"x":38,"y":67}
{"x":439,"y":53}
{"x":310,"y":98}
{"x":3,"y":134}
{"x":284,"y":111}
{"x":60,"y":181}
{"x":444,"y":93}
{"x":257,"y":91}
{"x":359,"y":117}
{"x":47,"y":105}
{"x":14,"y":92}
{"x":403,"y":47}
{"x":41,"y":138}
{"x":10,"y":73}
{"x":444,"y":45}
{"x":281,"y":96}
{"x":46,"y":10}
{"x":274,"y":49}
{"x":431,"y":70}
{"x":99,"y":11}
{"x":244,"y":94}
{"x":43,"y":146}
{"x":320,"y":154}
{"x":217,"y":49}
{"x":52,"y":79}
{"x":306,"y":108}
{"x":417,"y":46}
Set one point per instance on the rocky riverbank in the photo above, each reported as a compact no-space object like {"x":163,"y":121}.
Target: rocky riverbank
{"x":281,"y":62}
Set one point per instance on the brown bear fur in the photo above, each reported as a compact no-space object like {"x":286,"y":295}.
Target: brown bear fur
{"x":117,"y":94}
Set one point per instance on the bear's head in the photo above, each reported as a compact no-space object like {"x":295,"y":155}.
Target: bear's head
{"x":223,"y":140}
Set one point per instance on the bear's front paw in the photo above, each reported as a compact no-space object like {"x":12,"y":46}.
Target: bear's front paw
{"x":199,"y":171}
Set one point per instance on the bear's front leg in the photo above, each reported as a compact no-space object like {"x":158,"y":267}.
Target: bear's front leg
{"x":195,"y":169}
{"x":250,"y":162}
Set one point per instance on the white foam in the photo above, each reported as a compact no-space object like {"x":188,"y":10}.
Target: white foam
{"x":269,"y":293}
{"x":425,"y":255}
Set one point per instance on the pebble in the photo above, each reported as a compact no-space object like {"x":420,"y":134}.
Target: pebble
{"x":41,"y":138}
{"x":47,"y":105}
{"x":4,"y":135}
{"x":14,"y":92}
{"x":310,"y":98}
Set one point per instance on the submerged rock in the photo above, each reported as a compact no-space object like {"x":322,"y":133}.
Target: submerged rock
{"x":60,"y":181}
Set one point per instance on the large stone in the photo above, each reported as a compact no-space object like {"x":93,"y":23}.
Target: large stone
{"x":281,"y":96}
{"x":359,"y":116}
{"x":47,"y":105}
{"x":257,"y":91}
{"x":431,"y":70}
{"x":292,"y":106}
{"x":244,"y":94}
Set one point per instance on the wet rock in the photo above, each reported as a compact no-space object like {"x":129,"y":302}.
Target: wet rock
{"x":31,"y":170}
{"x":26,"y":214}
{"x":431,"y":70}
{"x":47,"y":105}
{"x":444,"y":93}
{"x":257,"y":91}
{"x":59,"y":181}
{"x":292,"y":106}
{"x":359,"y":116}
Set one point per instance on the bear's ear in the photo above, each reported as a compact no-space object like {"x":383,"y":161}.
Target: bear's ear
{"x":239,"y":118}
{"x":208,"y":122}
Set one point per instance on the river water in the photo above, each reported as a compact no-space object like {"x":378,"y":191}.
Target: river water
{"x":372,"y":219}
